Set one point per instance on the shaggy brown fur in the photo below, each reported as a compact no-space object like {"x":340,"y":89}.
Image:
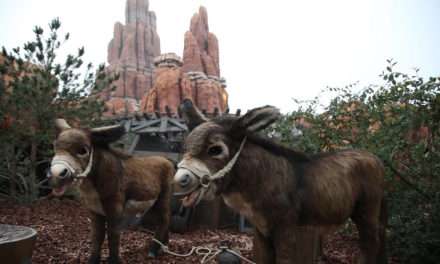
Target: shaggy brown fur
{"x":117,"y":186}
{"x":279,"y":189}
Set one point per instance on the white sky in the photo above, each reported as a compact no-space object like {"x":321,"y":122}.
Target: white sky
{"x":270,"y":51}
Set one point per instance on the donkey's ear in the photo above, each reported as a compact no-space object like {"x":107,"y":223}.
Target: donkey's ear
{"x":258,"y":118}
{"x":61,"y":125}
{"x":106,"y":135}
{"x":191,"y":114}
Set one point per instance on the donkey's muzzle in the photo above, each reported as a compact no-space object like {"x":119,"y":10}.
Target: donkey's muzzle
{"x":59,"y":171}
{"x":184,"y":181}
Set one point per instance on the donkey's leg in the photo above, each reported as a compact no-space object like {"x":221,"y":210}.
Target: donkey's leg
{"x":155,"y":210}
{"x":114,"y":235}
{"x":368,"y":228}
{"x":263,"y":249}
{"x":98,"y":235}
{"x":295,"y":244}
{"x":113,"y":209}
{"x":161,"y":212}
{"x":382,"y":254}
{"x":285,"y":245}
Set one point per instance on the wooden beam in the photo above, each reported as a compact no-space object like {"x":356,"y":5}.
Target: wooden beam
{"x":178,"y":124}
{"x":144,"y":124}
{"x":134,"y":144}
{"x":163,"y":124}
{"x":159,"y":130}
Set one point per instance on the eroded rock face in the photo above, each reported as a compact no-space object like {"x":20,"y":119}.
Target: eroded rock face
{"x":201,"y":53}
{"x":208,"y":92}
{"x":172,"y":85}
{"x":167,"y":90}
{"x":196,"y":78}
{"x":131,"y":53}
{"x":161,"y":83}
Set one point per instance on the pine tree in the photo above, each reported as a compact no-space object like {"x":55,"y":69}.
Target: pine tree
{"x":37,"y":87}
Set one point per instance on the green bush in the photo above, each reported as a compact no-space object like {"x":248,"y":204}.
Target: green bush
{"x":399,"y":122}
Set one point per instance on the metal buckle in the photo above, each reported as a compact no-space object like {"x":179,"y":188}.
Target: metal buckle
{"x":205,"y":181}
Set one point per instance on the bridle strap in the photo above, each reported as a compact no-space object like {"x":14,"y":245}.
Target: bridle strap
{"x":219,"y":174}
{"x":64,"y":162}
{"x":88,"y":168}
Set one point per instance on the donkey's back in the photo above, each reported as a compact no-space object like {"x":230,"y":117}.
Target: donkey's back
{"x":344,"y":184}
{"x":147,"y":176}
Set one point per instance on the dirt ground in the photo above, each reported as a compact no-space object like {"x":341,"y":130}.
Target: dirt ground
{"x":63,"y":237}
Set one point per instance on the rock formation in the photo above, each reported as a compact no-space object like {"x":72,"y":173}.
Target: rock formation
{"x":196,"y":77}
{"x":131,"y":53}
{"x":201,"y":47}
{"x":162,"y":82}
{"x":167,"y":91}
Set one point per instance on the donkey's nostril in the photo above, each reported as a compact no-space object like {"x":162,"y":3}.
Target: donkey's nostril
{"x":185,"y":180}
{"x":64,"y":173}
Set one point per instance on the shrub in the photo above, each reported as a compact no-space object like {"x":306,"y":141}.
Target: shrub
{"x":399,"y":122}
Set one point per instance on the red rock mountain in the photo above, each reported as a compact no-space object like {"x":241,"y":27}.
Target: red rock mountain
{"x":198,"y":78}
{"x":160,"y":82}
{"x":201,"y":47}
{"x":131,"y":52}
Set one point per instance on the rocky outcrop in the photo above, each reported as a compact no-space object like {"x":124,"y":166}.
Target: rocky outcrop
{"x":206,"y":91}
{"x":197,"y":77}
{"x":131,"y":53}
{"x":201,"y":53}
{"x":167,"y":90}
{"x":160,"y":83}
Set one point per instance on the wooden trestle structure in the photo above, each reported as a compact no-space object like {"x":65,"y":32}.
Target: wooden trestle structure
{"x":155,"y":134}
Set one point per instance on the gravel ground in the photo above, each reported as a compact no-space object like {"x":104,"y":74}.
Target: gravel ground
{"x":64,"y":226}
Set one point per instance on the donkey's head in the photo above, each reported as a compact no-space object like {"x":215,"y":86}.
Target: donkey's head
{"x":212,"y":148}
{"x":74,"y":152}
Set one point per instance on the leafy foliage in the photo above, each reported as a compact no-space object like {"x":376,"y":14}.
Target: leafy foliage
{"x":36,"y":87}
{"x":399,"y":122}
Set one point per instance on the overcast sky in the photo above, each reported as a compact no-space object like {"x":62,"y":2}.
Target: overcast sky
{"x":270,"y":51}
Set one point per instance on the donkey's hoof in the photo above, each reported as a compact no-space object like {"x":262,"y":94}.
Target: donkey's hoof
{"x":154,"y":254}
{"x":94,"y":260}
{"x":154,"y":251}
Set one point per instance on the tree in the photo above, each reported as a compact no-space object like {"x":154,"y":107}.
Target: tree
{"x":37,"y":87}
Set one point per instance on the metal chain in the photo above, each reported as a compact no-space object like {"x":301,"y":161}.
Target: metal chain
{"x":207,"y":253}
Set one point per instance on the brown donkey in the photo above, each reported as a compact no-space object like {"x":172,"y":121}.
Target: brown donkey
{"x":279,"y":189}
{"x":113,"y":186}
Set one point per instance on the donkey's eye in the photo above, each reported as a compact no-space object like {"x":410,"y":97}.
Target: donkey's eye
{"x":215,"y":151}
{"x":83,"y":151}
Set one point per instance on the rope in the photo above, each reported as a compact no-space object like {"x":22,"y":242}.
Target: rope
{"x":207,"y":253}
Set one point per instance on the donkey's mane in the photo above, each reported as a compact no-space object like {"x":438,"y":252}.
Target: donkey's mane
{"x":277,"y":148}
{"x":119,"y":153}
{"x":273,"y":147}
